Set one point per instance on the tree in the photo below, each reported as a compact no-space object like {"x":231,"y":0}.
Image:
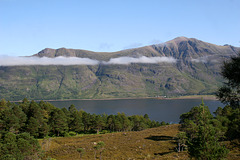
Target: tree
{"x":8,"y":120}
{"x":32,"y":127}
{"x":86,"y":119}
{"x":181,"y":140}
{"x":110,"y":123}
{"x":203,"y":138}
{"x":58,"y":122}
{"x":76,"y":124}
{"x":229,"y":93}
{"x":28,"y":146}
{"x":20,"y":147}
{"x":72,"y":109}
{"x":20,"y":115}
{"x":99,"y":123}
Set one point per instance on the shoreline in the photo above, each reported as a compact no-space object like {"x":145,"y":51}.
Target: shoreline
{"x":204,"y":97}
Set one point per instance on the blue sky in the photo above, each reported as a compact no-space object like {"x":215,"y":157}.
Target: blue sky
{"x":28,"y":26}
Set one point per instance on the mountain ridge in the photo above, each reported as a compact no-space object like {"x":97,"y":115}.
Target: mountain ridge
{"x":196,"y":71}
{"x":175,"y":43}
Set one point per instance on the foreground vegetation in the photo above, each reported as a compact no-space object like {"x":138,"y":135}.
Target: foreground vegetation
{"x":21,"y":123}
{"x":72,"y":134}
{"x":208,"y":140}
{"x":155,"y":143}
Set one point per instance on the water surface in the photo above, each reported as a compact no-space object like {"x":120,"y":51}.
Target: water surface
{"x":158,"y":110}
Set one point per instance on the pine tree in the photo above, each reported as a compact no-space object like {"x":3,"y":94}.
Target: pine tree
{"x":229,"y":93}
{"x":58,"y":122}
{"x":204,"y":143}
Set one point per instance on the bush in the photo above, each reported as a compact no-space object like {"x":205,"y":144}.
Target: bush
{"x":71,"y":133}
{"x":66,"y":134}
{"x":104,"y":131}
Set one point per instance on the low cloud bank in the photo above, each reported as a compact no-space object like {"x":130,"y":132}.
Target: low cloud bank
{"x":66,"y":61}
{"x":143,"y":59}
{"x":25,"y":61}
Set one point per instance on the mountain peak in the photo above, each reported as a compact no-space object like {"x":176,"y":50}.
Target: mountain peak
{"x":47,"y":50}
{"x":180,"y":39}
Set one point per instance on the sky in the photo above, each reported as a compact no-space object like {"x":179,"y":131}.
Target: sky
{"x":28,"y":26}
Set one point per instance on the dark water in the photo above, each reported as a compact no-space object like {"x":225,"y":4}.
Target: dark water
{"x":158,"y":110}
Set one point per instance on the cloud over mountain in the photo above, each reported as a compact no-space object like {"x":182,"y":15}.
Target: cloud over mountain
{"x":143,"y":59}
{"x":66,"y":61}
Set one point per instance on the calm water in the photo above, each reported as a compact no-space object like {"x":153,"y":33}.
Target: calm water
{"x":158,"y":110}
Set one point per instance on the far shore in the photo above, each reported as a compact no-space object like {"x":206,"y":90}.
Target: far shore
{"x":204,"y":97}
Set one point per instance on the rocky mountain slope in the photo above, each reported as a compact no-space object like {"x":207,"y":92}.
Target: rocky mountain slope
{"x":196,"y":71}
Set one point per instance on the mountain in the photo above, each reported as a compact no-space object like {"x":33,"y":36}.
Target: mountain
{"x":196,"y":71}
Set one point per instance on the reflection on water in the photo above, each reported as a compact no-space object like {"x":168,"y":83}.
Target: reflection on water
{"x":158,"y":110}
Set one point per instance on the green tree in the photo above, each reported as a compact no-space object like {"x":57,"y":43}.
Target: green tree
{"x":20,"y":115}
{"x":139,"y":123}
{"x":229,"y":93}
{"x":86,"y":119}
{"x":99,"y":123}
{"x":204,"y":142}
{"x":32,"y":127}
{"x":181,"y":140}
{"x":58,"y":122}
{"x":8,"y":120}
{"x":72,"y":109}
{"x":28,"y":146}
{"x":9,"y":146}
{"x":76,"y":124}
{"x":110,"y":123}
{"x":19,"y":147}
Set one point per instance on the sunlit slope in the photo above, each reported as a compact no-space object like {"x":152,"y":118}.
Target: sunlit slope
{"x":155,"y":143}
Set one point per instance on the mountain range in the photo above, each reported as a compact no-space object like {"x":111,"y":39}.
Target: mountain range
{"x":196,"y":70}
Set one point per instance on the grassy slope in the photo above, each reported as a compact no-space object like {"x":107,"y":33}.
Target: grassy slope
{"x":99,"y":82}
{"x":156,"y":143}
{"x":150,"y":143}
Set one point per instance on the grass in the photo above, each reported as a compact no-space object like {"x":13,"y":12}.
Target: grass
{"x":155,"y":143}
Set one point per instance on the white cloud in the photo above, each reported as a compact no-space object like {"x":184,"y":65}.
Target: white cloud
{"x":25,"y":61}
{"x":21,"y":61}
{"x":143,"y":59}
